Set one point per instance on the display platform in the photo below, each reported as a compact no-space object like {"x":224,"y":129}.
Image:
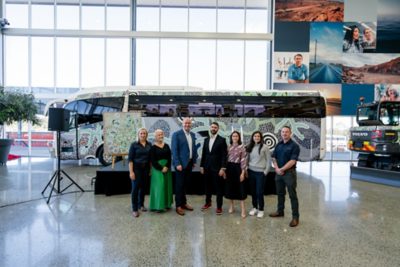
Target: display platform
{"x":377,"y":176}
{"x":113,"y":181}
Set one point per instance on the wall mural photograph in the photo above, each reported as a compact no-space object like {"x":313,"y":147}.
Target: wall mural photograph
{"x":388,"y":31}
{"x":291,"y":67}
{"x":332,"y":93}
{"x":309,"y":10}
{"x":325,"y":52}
{"x":387,"y":92}
{"x":352,"y":45}
{"x":359,"y":37}
{"x":371,"y":68}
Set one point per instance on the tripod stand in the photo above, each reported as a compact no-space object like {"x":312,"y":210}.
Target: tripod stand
{"x":57,"y":175}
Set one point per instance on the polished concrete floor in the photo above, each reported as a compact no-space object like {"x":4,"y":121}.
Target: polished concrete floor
{"x":343,"y":223}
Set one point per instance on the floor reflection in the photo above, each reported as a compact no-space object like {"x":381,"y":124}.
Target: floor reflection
{"x":342,"y":223}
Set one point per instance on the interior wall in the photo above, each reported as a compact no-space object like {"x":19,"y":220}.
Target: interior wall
{"x":320,"y":30}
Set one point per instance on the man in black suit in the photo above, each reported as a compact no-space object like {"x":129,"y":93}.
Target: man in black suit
{"x":212,"y":166}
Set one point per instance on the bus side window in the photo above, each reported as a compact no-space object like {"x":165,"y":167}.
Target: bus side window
{"x":83,"y":109}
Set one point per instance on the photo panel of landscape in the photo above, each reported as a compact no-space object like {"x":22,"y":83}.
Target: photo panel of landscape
{"x":359,"y":37}
{"x":284,"y":61}
{"x":309,"y":10}
{"x":387,"y":92}
{"x":371,"y":68}
{"x":332,"y":93}
{"x":351,"y":94}
{"x":326,"y":52}
{"x":388,"y":30}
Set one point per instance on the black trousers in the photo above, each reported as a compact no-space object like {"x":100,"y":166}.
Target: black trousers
{"x":214,"y":182}
{"x":139,"y":185}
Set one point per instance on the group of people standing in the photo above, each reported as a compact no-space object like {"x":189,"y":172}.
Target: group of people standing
{"x":225,"y":169}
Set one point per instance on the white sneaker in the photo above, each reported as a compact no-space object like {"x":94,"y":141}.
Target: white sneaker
{"x":260,"y":214}
{"x":253,"y":212}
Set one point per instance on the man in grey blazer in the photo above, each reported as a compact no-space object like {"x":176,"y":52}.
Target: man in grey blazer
{"x":184,"y":156}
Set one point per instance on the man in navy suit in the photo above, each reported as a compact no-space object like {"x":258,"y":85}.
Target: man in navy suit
{"x":184,"y":156}
{"x":213,"y":165}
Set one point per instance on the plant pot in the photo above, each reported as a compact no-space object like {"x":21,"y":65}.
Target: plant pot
{"x":5,"y":146}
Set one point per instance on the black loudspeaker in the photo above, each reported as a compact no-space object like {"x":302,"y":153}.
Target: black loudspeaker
{"x":58,"y":119}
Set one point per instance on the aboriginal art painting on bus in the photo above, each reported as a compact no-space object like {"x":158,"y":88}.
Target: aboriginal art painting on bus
{"x":103,"y":124}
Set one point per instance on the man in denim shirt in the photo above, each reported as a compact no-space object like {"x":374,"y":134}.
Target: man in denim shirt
{"x":298,"y":72}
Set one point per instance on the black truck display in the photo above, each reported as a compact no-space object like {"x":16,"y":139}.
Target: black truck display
{"x":377,"y":138}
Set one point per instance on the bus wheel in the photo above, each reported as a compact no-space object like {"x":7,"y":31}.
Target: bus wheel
{"x":104,"y":159}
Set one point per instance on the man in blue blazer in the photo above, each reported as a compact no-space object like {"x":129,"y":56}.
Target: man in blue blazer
{"x":184,"y":156}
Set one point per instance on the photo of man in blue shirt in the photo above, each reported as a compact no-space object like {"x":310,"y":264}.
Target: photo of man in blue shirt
{"x":298,"y":72}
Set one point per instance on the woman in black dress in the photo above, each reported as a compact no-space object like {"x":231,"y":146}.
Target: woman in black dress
{"x":235,"y":172}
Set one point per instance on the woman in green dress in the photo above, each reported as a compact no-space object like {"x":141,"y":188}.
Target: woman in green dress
{"x":161,"y":178}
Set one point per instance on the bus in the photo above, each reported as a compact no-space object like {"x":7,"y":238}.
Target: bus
{"x":165,"y":107}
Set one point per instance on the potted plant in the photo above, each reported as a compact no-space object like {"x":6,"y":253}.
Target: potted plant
{"x":14,"y":106}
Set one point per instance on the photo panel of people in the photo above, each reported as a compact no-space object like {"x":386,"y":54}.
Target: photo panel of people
{"x":387,"y":92}
{"x":371,"y":68}
{"x":359,"y":37}
{"x":331,"y":92}
{"x":291,"y":67}
{"x":388,"y":30}
{"x":325,"y":52}
{"x":309,"y":10}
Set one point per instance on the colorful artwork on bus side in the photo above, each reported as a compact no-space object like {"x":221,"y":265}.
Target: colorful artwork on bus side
{"x":306,"y":132}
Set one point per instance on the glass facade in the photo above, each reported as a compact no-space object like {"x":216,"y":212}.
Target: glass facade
{"x":97,"y":50}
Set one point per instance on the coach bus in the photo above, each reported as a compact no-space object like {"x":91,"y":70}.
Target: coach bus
{"x":164,"y":108}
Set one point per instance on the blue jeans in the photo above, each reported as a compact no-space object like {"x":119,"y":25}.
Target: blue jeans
{"x":257,"y":184}
{"x":289,"y":181}
{"x":137,"y":193}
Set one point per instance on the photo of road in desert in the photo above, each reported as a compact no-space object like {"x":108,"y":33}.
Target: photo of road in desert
{"x":326,"y":52}
{"x":309,"y":10}
{"x":371,"y":68}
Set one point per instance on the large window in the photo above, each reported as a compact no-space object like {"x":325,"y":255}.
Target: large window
{"x":92,"y":45}
{"x":337,"y":132}
{"x":93,"y":56}
{"x":16,"y":61}
{"x":210,"y":64}
{"x":67,"y":62}
{"x":42,"y":68}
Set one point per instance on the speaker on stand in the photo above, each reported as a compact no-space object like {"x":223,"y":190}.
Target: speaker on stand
{"x":59,"y":122}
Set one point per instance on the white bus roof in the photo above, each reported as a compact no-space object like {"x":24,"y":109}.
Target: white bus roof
{"x":179,"y":90}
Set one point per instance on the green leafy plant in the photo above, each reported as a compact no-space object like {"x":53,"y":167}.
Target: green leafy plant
{"x":17,"y":106}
